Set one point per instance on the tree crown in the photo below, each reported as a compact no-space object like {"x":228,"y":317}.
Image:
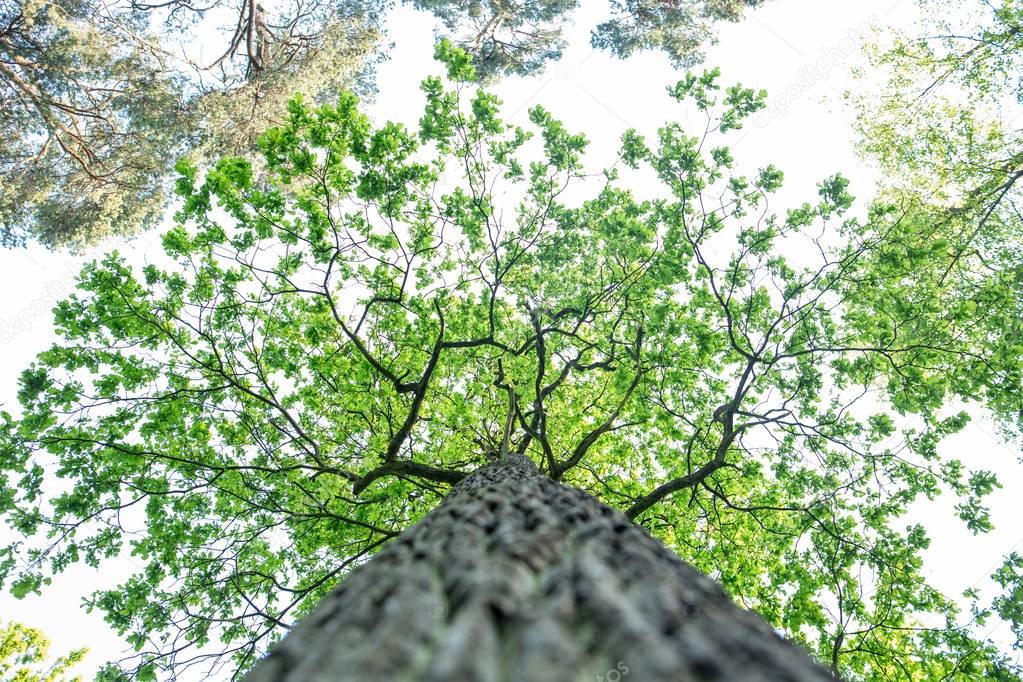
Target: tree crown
{"x":338,"y":335}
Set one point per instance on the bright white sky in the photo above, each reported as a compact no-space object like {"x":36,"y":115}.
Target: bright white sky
{"x":801,"y":51}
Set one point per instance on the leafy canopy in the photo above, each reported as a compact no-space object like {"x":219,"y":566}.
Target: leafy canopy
{"x":333,"y":340}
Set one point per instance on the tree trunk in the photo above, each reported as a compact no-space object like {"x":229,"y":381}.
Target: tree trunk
{"x":515,"y":577}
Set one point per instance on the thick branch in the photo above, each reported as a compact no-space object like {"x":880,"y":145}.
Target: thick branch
{"x":403,"y":468}
{"x":726,"y":417}
{"x":420,"y":394}
{"x":592,"y":437}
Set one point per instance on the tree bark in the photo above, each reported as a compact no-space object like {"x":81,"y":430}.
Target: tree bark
{"x":518,"y":578}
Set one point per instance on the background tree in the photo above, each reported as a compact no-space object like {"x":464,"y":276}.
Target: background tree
{"x":96,"y":101}
{"x":23,"y":654}
{"x":98,"y":95}
{"x":336,"y":339}
{"x":504,"y":37}
{"x":87,"y":126}
{"x":509,"y":37}
{"x":944,"y":128}
{"x":681,"y":29}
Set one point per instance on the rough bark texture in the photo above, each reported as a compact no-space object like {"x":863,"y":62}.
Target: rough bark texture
{"x":515,"y":577}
